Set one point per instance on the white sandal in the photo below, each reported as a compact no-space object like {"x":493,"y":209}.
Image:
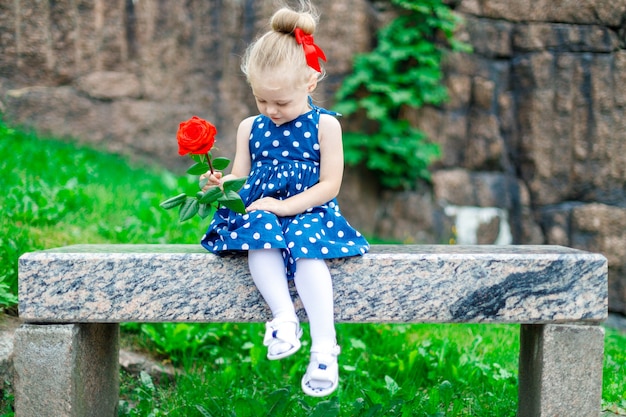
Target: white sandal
{"x":276,"y":334}
{"x":322,"y":374}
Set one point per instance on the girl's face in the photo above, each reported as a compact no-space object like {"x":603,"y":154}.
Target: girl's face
{"x":281,"y":99}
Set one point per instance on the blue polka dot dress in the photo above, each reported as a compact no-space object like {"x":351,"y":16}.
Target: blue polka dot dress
{"x":285,"y":161}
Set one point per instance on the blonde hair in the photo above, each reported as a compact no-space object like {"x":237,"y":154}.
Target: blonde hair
{"x":278,"y":49}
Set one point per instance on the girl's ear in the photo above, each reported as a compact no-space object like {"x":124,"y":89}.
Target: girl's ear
{"x":312,"y":84}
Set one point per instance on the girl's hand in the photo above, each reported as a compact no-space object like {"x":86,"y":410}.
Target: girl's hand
{"x":278,"y":207}
{"x":212,"y":180}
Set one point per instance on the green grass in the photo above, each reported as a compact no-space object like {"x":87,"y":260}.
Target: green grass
{"x":55,"y":193}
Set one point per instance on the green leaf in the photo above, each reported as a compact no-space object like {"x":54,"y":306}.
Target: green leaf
{"x":205,"y":210}
{"x":328,"y":408}
{"x":189,"y":209}
{"x":174,"y":201}
{"x":211,"y":195}
{"x":234,"y":185}
{"x":198,"y":169}
{"x":233,"y":201}
{"x":220,"y":163}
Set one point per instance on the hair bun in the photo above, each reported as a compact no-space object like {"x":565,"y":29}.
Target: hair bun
{"x":286,"y":20}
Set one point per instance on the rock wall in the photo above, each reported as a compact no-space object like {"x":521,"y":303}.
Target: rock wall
{"x":533,"y":136}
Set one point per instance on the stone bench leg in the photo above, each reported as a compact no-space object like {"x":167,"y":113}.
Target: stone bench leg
{"x":66,"y":370}
{"x":560,"y":370}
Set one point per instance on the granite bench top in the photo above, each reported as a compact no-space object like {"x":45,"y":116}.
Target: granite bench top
{"x":392,"y":283}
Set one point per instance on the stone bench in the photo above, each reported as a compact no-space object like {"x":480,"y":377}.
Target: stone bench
{"x":72,"y":300}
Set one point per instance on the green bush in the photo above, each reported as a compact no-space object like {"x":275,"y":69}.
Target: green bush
{"x":402,"y":72}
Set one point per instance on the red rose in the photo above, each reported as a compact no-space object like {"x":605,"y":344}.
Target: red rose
{"x":195,"y":136}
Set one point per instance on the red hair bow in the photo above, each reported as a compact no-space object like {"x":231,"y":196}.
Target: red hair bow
{"x":312,"y":52}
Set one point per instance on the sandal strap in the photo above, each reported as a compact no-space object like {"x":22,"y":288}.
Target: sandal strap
{"x":274,"y":332}
{"x":324,"y":360}
{"x":332,"y":353}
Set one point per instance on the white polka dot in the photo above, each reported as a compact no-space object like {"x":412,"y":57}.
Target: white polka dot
{"x":298,"y":124}
{"x":312,"y":239}
{"x":340,"y":233}
{"x":268,"y":226}
{"x":330,"y":224}
{"x":265,"y":153}
{"x":291,"y":245}
{"x":304,"y":250}
{"x":285,"y":153}
{"x":246,"y":226}
{"x":299,"y":233}
{"x":296,"y":144}
{"x":268,"y":134}
{"x":275,"y":162}
{"x":286,"y":133}
{"x":233,"y":235}
{"x":256,"y":236}
{"x":306,"y":155}
{"x":279,"y":238}
{"x":307,"y":134}
{"x":324,"y":250}
{"x":344,"y":250}
{"x":276,"y":144}
{"x":261,"y":125}
{"x":267,"y":245}
{"x":316,"y":146}
{"x":245,"y":246}
{"x":257,"y":144}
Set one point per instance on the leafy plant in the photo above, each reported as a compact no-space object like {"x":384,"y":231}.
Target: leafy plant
{"x":403,"y":72}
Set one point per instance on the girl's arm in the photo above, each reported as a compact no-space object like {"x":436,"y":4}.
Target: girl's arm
{"x":241,"y":164}
{"x":331,"y":175}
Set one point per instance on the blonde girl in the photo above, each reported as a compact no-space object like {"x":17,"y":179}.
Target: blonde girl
{"x":292,"y":156}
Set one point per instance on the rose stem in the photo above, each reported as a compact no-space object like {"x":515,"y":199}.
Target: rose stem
{"x":208,"y":159}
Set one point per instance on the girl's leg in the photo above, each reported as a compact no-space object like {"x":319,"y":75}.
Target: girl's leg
{"x":315,"y":288}
{"x":268,"y":273}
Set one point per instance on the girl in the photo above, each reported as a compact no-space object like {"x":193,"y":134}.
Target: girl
{"x":292,"y":155}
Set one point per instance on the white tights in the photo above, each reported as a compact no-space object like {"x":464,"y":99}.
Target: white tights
{"x":314,"y":286}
